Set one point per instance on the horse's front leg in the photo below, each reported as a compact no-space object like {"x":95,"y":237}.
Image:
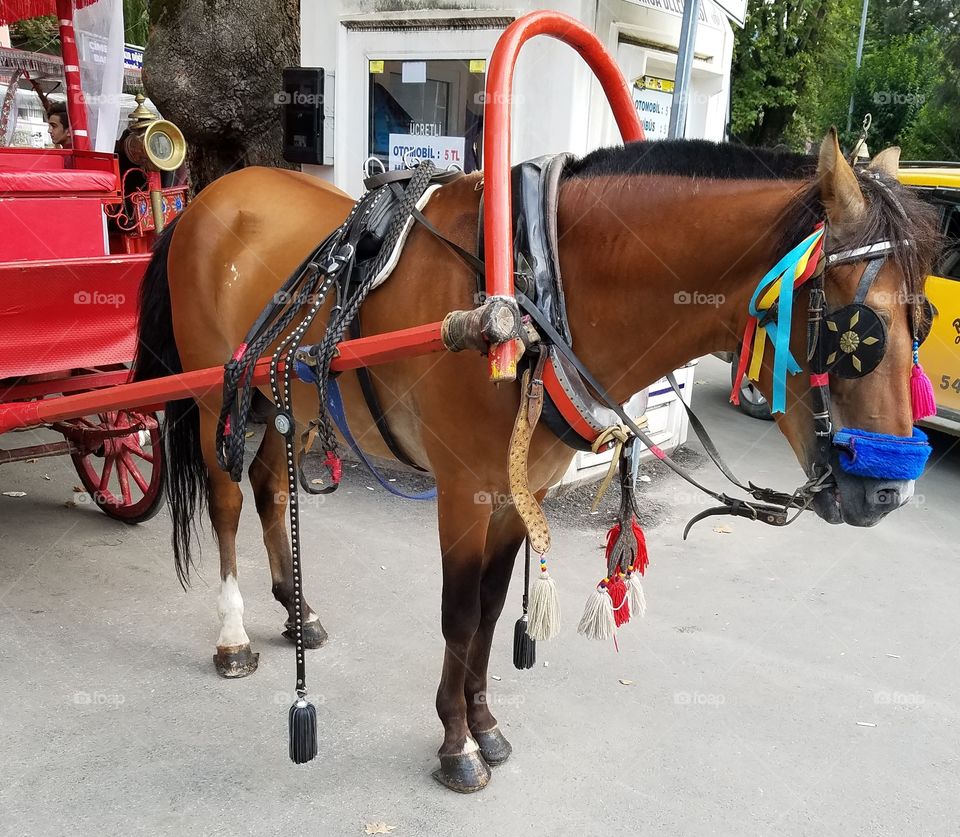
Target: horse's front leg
{"x":504,"y":537}
{"x":268,"y":476}
{"x":463,"y":529}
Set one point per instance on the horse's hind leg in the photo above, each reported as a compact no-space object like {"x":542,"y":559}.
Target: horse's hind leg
{"x":463,"y":527}
{"x":233,"y":657}
{"x":505,"y":535}
{"x":268,"y":475}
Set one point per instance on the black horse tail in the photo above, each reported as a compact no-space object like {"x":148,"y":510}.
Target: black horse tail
{"x":187,"y":489}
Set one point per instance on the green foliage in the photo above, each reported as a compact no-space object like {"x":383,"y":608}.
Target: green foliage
{"x":790,"y":87}
{"x":36,"y":34}
{"x":782,"y":57}
{"x":894,"y":83}
{"x":136,"y":22}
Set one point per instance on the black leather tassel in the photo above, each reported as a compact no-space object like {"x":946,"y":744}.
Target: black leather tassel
{"x":524,"y":645}
{"x":303,"y":731}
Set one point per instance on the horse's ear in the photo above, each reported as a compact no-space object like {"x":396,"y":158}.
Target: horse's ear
{"x":887,"y":161}
{"x":839,"y":189}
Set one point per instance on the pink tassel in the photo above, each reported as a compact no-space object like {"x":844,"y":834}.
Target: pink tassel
{"x":921,"y":394}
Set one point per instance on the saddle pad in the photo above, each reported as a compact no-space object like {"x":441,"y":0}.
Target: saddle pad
{"x":384,"y":274}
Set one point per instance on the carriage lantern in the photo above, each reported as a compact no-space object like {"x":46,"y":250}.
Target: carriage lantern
{"x":155,"y":145}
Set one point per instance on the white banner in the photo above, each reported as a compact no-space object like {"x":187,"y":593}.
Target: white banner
{"x":99,"y":29}
{"x":443,"y":152}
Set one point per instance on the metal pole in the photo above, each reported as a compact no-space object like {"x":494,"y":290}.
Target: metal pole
{"x":681,"y":85}
{"x":863,"y":29}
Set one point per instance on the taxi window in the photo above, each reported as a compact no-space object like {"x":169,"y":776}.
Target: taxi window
{"x":950,"y":260}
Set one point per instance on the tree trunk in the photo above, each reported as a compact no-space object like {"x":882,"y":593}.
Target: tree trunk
{"x":214,"y":68}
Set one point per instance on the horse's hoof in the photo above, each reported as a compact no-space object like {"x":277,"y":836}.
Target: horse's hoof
{"x":314,"y":635}
{"x":494,"y":748}
{"x":235,"y":661}
{"x":463,"y":773}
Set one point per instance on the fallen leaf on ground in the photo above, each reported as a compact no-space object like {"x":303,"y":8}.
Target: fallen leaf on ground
{"x":865,"y":724}
{"x":248,"y":434}
{"x":378,"y":828}
{"x":79,"y":489}
{"x":46,"y":476}
{"x":626,"y":682}
{"x":316,"y":482}
{"x":722,"y":530}
{"x":644,"y":478}
{"x":14,"y":493}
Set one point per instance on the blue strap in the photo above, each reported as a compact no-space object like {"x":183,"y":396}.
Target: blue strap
{"x":779,"y":330}
{"x":335,"y":406}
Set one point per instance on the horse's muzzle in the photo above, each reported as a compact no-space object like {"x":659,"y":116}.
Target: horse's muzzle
{"x":860,"y":501}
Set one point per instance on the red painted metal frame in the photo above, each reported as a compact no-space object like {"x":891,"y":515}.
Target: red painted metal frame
{"x":498,"y":225}
{"x":71,"y":72}
{"x":365,"y":351}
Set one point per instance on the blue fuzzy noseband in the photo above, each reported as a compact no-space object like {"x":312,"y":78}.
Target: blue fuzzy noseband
{"x":881,"y":456}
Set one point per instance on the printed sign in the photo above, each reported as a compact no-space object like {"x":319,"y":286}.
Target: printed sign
{"x":132,"y":57}
{"x":709,"y":14}
{"x":441,"y":151}
{"x":653,"y":99}
{"x":736,"y":10}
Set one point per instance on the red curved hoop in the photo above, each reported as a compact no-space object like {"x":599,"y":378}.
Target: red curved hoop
{"x":498,"y":225}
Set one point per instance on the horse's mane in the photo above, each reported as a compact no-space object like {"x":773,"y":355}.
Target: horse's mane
{"x":894,"y":212}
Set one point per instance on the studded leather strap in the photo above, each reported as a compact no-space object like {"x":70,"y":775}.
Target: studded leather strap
{"x":531,"y":404}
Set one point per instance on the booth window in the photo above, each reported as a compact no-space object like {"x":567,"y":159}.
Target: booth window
{"x":427,"y":110}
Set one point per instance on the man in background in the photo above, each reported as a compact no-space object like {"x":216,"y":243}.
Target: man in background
{"x":58,"y":124}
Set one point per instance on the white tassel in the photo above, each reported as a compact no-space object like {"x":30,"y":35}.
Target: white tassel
{"x":543,"y":614}
{"x":597,"y":621}
{"x":638,"y":602}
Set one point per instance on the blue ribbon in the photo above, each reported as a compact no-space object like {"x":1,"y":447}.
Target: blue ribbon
{"x":779,"y":330}
{"x":335,"y":406}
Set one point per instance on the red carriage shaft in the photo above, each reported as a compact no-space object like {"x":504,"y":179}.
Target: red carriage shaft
{"x":365,"y":351}
{"x":498,"y":226}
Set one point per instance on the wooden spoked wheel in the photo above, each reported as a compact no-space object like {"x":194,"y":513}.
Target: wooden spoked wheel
{"x":124,"y":475}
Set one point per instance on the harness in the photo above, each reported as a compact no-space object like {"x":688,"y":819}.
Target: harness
{"x":352,"y":260}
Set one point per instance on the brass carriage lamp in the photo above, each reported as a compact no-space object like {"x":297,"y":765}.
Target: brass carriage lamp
{"x":155,"y":145}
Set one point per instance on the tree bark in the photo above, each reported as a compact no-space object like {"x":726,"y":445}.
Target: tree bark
{"x":214,"y":67}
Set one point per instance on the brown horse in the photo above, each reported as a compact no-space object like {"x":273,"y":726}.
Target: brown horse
{"x":640,"y":227}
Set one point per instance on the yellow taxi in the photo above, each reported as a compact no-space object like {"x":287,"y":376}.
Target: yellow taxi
{"x":940,"y":354}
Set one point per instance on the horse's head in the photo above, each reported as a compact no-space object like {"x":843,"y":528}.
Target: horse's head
{"x":878,"y":244}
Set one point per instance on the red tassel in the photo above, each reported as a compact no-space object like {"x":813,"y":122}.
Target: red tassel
{"x":642,"y":560}
{"x":921,"y":394}
{"x":335,"y":466}
{"x":617,"y":589}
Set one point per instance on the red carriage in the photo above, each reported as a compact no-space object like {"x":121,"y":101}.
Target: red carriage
{"x":76,"y":242}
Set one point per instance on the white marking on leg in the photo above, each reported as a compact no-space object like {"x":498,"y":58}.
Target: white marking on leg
{"x":469,"y":746}
{"x":230,"y":610}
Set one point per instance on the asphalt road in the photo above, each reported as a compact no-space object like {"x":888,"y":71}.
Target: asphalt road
{"x":784,"y":682}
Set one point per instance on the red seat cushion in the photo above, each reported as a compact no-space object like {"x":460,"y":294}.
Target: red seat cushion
{"x":64,"y":181}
